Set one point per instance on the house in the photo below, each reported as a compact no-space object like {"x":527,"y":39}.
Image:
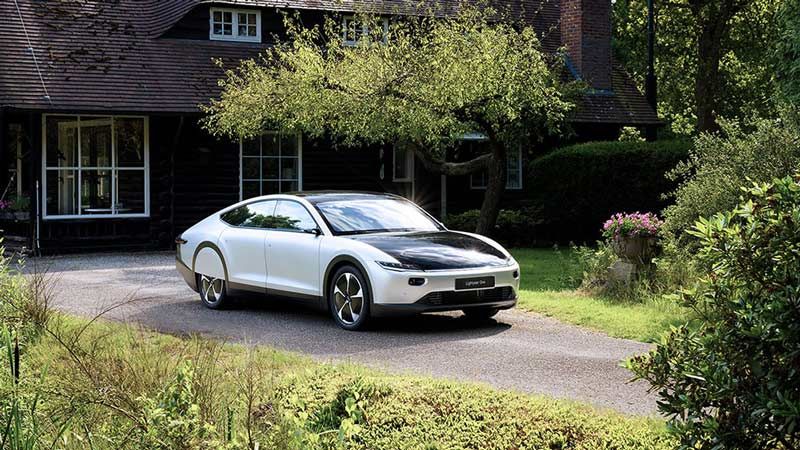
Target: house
{"x":99,"y":116}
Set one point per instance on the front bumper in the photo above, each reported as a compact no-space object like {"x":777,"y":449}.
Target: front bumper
{"x":393,"y":294}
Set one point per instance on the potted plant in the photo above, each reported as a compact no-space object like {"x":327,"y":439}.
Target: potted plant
{"x":633,"y":236}
{"x":15,"y":208}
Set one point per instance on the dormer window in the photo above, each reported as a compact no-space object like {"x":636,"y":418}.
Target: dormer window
{"x":228,"y":24}
{"x":353,"y":30}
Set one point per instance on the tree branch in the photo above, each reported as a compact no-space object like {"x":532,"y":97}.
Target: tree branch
{"x":451,"y":168}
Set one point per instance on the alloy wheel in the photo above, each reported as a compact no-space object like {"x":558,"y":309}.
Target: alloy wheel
{"x":348,"y":298}
{"x":212,"y":289}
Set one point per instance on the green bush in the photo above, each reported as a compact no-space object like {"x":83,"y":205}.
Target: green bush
{"x":579,"y":187}
{"x":733,"y":381}
{"x":719,"y":164}
{"x":514,"y":228}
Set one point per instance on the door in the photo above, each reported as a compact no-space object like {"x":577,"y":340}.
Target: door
{"x":243,"y":243}
{"x":292,"y":252}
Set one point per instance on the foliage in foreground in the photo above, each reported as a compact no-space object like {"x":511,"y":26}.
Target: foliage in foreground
{"x":90,"y":384}
{"x":733,"y":382}
{"x":143,"y":390}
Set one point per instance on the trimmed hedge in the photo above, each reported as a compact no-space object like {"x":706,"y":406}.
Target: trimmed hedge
{"x":579,"y":187}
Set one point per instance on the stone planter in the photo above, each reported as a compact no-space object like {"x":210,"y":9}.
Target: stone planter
{"x":635,"y":250}
{"x":14,"y":215}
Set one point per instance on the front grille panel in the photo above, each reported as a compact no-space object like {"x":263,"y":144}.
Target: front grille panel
{"x":447,"y":298}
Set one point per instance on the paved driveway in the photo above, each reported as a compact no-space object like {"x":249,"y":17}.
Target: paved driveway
{"x":520,"y":351}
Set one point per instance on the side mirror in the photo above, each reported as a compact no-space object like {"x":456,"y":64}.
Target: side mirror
{"x":315,"y":231}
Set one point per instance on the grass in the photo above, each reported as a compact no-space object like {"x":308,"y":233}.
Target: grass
{"x":549,"y":286}
{"x":122,"y":387}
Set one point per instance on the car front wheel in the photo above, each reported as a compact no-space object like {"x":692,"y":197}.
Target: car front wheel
{"x":213,"y":292}
{"x":349,"y":298}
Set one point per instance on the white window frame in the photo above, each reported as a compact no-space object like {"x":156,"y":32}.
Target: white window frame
{"x":518,"y":168}
{"x":409,"y":162}
{"x":364,"y":30}
{"x":16,"y":153}
{"x":113,"y":169}
{"x":235,"y":24}
{"x":261,"y":156}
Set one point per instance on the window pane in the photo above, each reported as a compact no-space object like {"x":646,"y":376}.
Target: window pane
{"x":250,"y":147}
{"x":272,"y":187}
{"x":251,"y":189}
{"x":217,"y":16}
{"x":62,"y":141}
{"x":96,"y":192}
{"x":255,"y":214}
{"x":62,"y":192}
{"x":129,"y":135}
{"x":400,"y":163}
{"x":293,"y":216}
{"x":269,"y":168}
{"x":250,"y":168}
{"x":228,"y":17}
{"x":217,"y":28}
{"x":289,"y":169}
{"x":289,"y":145}
{"x":252,"y":31}
{"x":288,"y":186}
{"x":270,"y":144}
{"x":130,"y":192}
{"x":242,"y":30}
{"x":96,"y":142}
{"x":251,"y":19}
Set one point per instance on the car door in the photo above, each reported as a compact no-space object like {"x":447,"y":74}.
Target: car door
{"x":293,"y":251}
{"x":243,"y":243}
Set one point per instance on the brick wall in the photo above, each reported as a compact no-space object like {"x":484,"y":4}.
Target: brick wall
{"x":586,"y":34}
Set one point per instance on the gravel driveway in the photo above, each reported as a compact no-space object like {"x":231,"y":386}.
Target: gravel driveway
{"x":518,"y":350}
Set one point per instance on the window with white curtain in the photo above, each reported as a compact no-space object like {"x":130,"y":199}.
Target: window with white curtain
{"x":228,"y":24}
{"x":95,"y":166}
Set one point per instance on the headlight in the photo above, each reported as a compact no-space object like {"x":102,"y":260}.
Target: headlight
{"x":397,"y":266}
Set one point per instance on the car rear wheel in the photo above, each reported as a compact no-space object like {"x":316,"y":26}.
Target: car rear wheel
{"x":349,"y":298}
{"x":213,"y":291}
{"x":480,"y":313}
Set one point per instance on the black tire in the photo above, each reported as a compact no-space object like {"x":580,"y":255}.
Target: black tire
{"x":213,"y":291}
{"x":480,"y":313}
{"x":349,"y":310}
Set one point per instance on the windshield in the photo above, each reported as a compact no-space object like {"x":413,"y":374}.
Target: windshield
{"x":375,"y":216}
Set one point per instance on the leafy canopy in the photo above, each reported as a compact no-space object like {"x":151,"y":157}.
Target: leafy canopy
{"x":746,"y":69}
{"x":428,"y":82}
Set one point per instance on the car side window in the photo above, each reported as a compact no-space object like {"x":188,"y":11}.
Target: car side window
{"x":292,"y":216}
{"x":252,"y":215}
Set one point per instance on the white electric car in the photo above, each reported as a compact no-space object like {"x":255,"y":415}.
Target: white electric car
{"x":357,"y":254}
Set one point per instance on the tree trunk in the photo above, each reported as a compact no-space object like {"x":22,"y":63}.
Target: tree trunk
{"x":495,"y":185}
{"x":707,"y":79}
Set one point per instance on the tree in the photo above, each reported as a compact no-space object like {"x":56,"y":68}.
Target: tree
{"x":712,"y":57}
{"x":426,"y":83}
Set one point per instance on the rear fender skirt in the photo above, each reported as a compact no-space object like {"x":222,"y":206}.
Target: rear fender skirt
{"x":208,"y":260}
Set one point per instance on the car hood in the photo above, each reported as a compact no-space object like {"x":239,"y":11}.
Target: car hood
{"x":439,"y":250}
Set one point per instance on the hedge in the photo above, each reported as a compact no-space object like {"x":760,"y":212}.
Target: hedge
{"x":578,"y":187}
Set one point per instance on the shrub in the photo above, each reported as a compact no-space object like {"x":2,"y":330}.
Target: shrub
{"x":513,"y":228}
{"x":711,"y":179}
{"x":579,"y":187}
{"x":732,"y":381}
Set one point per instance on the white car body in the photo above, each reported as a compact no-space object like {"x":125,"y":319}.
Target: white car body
{"x":300,"y":263}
